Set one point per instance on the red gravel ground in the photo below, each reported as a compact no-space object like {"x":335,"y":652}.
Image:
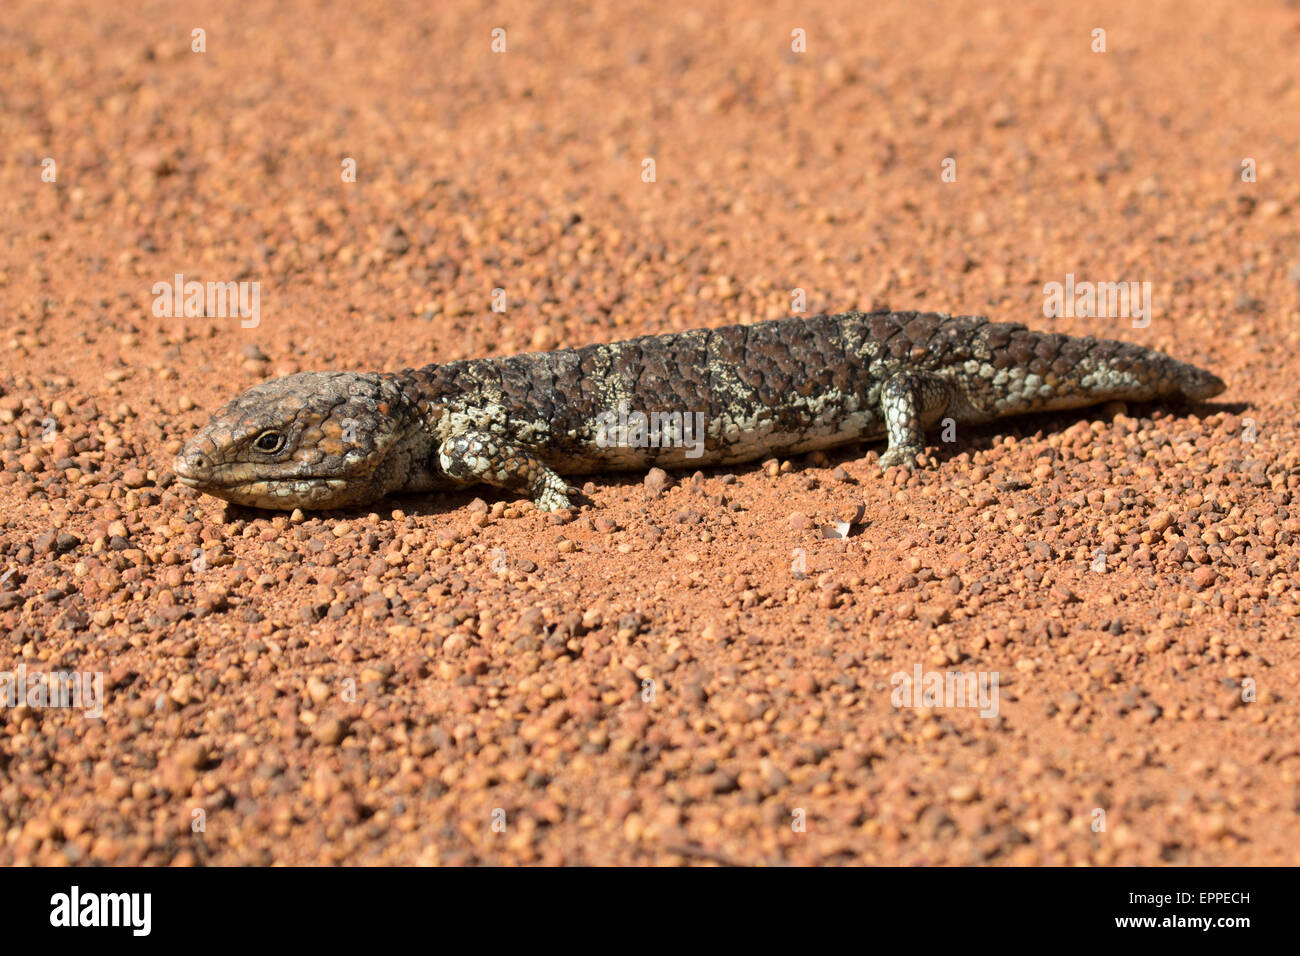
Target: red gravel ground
{"x":690,"y":674}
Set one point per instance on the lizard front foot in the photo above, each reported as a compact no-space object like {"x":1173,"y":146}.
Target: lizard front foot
{"x":552,"y":493}
{"x":480,"y":456}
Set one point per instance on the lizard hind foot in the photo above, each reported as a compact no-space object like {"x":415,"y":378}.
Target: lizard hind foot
{"x":901,"y":456}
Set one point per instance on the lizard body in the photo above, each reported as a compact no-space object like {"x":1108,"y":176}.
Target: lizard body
{"x":722,"y":396}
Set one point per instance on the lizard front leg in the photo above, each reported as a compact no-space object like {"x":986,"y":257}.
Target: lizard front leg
{"x":480,"y":456}
{"x":911,"y":402}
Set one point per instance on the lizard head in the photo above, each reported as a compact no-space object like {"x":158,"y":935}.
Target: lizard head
{"x":313,"y":440}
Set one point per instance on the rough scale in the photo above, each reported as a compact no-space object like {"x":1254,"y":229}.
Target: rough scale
{"x":320,"y":440}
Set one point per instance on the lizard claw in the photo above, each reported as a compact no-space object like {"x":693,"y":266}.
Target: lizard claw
{"x":900,"y":457}
{"x":551,"y":500}
{"x":553,"y":495}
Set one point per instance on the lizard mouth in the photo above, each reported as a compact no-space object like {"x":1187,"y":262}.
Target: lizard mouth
{"x":241,"y":485}
{"x":281,"y":494}
{"x":270,"y":493}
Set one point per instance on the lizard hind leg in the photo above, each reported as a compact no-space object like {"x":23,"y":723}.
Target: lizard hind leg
{"x":482,"y":457}
{"x":911,"y":402}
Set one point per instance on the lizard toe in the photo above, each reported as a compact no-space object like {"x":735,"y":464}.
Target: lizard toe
{"x":552,"y":500}
{"x":900,"y":457}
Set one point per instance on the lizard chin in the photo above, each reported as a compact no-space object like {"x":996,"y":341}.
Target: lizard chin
{"x":284,"y":494}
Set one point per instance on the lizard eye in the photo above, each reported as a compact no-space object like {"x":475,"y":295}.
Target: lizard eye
{"x":269,"y":442}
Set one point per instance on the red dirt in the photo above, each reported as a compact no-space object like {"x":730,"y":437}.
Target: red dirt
{"x":649,"y":680}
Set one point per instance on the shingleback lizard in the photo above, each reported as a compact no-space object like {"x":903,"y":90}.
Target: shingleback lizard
{"x":319,"y":440}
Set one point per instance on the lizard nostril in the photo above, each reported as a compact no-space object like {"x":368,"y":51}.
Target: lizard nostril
{"x":191,"y":465}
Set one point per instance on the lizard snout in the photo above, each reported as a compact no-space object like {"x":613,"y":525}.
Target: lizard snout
{"x":192,"y":467}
